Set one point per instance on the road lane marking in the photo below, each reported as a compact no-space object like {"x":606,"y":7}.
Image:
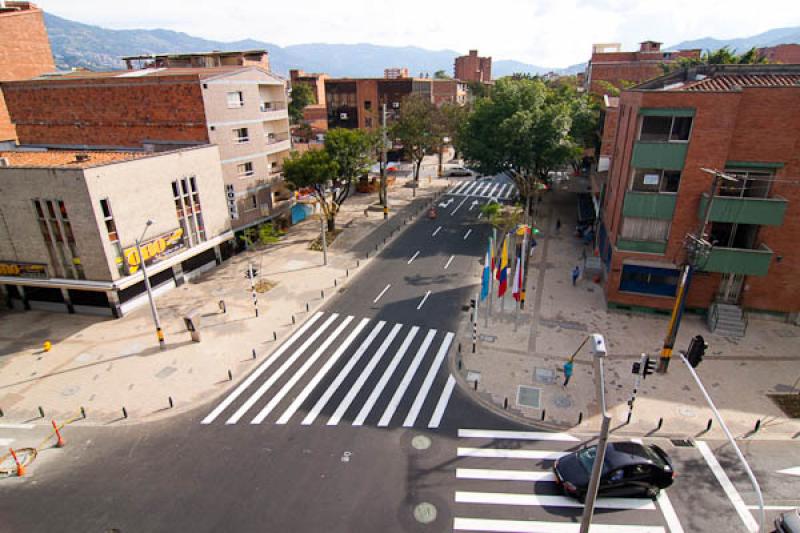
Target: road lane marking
{"x":794,"y":471}
{"x":517,"y":435}
{"x":510,"y":191}
{"x":6,"y":442}
{"x":437,"y":230}
{"x":411,"y":418}
{"x":424,"y":298}
{"x":401,"y":389}
{"x":387,"y":374}
{"x":344,"y":405}
{"x":441,"y":405}
{"x":470,"y":188}
{"x":300,"y":372}
{"x":480,"y":215}
{"x":378,"y":297}
{"x":773,"y":507}
{"x":260,"y":370}
{"x":413,"y":257}
{"x":727,"y":486}
{"x":491,"y":193}
{"x":311,"y":385}
{"x":505,"y":498}
{"x":460,"y":186}
{"x":17,"y":426}
{"x":509,"y":454}
{"x":504,"y":475}
{"x":459,"y":206}
{"x":500,"y":192}
{"x":485,"y":188}
{"x":449,"y":261}
{"x":531,"y":526}
{"x":670,"y":516}
{"x":334,"y":386}
{"x":278,"y":373}
{"x":467,"y":233}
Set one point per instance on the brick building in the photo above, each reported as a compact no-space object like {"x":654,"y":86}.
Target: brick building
{"x":740,"y":119}
{"x":356,"y":102}
{"x":315,"y":115}
{"x":395,"y":72}
{"x":242,"y":58}
{"x":449,"y":91}
{"x":473,"y":68}
{"x":24,"y":51}
{"x":782,"y":53}
{"x":243,"y":110}
{"x":71,"y":219}
{"x":611,"y":65}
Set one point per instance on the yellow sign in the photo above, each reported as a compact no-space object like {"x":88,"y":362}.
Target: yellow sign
{"x":153,"y":250}
{"x":23,"y":270}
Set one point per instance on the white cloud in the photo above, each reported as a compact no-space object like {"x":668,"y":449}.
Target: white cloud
{"x":542,"y":32}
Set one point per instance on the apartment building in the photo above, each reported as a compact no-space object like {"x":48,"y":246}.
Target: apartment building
{"x":395,"y":72}
{"x":241,"y":58}
{"x":315,"y":115}
{"x":449,"y":91}
{"x":610,"y":65}
{"x":743,"y":120}
{"x":70,"y":221}
{"x":357,"y":102}
{"x":24,"y":52}
{"x":241,"y":109}
{"x":471,"y":67}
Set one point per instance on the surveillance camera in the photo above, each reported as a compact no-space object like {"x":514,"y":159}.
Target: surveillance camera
{"x":598,"y":345}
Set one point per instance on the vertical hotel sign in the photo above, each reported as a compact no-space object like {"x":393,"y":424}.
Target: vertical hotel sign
{"x":153,"y":250}
{"x":230,"y":194}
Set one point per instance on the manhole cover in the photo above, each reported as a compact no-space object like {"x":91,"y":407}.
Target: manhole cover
{"x":488,"y":338}
{"x":529,"y":396}
{"x":425,"y":513}
{"x":421,"y":442}
{"x":682,"y":443}
{"x":473,"y":376}
{"x":544,"y":375}
{"x":562,"y":401}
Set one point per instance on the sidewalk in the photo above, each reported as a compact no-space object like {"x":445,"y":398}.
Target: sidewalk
{"x":104,"y":365}
{"x":738,"y":373}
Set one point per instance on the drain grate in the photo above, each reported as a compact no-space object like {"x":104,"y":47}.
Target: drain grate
{"x":682,"y":443}
{"x":529,"y":396}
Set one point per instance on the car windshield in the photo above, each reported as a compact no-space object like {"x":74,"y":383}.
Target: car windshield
{"x":637,"y":450}
{"x":586,"y":457}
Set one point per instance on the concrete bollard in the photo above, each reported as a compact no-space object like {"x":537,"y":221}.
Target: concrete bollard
{"x":222,"y":307}
{"x":171,"y":403}
{"x":334,"y":282}
{"x":660,"y":423}
{"x":347,"y":273}
{"x":230,"y":375}
{"x":580,"y":418}
{"x":83,"y":413}
{"x":628,"y":420}
{"x":322,"y":294}
{"x":758,"y":426}
{"x":2,"y":413}
{"x":459,"y":364}
{"x":275,"y":335}
{"x":476,"y":385}
{"x":293,"y":322}
{"x":358,"y":263}
{"x":544,"y":411}
{"x":708,"y":426}
{"x":124,"y":413}
{"x":253,"y":351}
{"x":505,"y":403}
{"x":307,"y":307}
{"x":41,"y":411}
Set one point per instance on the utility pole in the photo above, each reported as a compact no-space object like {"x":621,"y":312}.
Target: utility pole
{"x":698,"y":249}
{"x":599,"y":350}
{"x":324,"y":239}
{"x":252,"y":275}
{"x":384,"y":187}
{"x":149,"y":289}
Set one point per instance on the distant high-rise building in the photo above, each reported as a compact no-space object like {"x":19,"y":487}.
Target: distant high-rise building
{"x":24,"y":51}
{"x":473,"y":68}
{"x":395,"y":73}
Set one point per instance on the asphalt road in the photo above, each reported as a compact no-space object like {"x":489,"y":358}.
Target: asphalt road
{"x":351,"y":425}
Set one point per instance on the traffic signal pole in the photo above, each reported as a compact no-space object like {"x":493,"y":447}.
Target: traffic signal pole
{"x":746,"y":517}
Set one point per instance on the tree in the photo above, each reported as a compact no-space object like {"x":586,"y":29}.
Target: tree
{"x":302,"y":96}
{"x":448,"y":121}
{"x":314,"y":170}
{"x":477,"y":89}
{"x":441,"y":75}
{"x":721,"y":56}
{"x":414,"y":129}
{"x":351,"y":151}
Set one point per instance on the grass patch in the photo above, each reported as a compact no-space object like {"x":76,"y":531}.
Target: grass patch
{"x":788,"y":403}
{"x":265,"y":285}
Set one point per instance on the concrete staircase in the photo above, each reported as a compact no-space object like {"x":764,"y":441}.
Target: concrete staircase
{"x":727,"y":320}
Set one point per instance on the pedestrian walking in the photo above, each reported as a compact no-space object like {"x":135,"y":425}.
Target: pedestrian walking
{"x":558,"y":225}
{"x":575,"y":273}
{"x":567,"y":371}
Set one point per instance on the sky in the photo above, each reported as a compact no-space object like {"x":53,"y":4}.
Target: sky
{"x":550,"y":33}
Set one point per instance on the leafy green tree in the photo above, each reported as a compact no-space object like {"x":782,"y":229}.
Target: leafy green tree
{"x":448,"y":121}
{"x":722,"y":56}
{"x":477,"y":89}
{"x":314,"y":170}
{"x":441,"y":75}
{"x":415,"y":130}
{"x":351,"y":150}
{"x":302,"y":96}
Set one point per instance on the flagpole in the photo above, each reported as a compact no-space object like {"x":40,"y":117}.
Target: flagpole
{"x":491,"y":284}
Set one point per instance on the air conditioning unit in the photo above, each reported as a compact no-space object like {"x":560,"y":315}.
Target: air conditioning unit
{"x":342,"y":116}
{"x":396,"y":105}
{"x":4,"y":162}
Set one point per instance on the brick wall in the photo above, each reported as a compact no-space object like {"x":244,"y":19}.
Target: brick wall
{"x":783,"y":53}
{"x":122,"y":112}
{"x":24,"y":53}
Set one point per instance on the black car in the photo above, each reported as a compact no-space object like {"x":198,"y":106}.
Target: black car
{"x":629,"y":469}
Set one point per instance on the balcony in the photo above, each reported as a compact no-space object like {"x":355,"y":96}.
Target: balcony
{"x":761,"y":211}
{"x":649,"y":205}
{"x":277,"y":142}
{"x":663,"y":155}
{"x":274,"y":110}
{"x":753,"y":262}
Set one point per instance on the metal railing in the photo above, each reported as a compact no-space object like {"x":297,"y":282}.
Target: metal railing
{"x":272,"y":106}
{"x":273,"y":138}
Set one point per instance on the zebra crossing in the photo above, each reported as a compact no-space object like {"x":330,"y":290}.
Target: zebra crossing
{"x":485,"y":189}
{"x":497,"y":490}
{"x":337,"y":368}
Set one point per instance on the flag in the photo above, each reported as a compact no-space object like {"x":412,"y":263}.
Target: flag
{"x":502,"y":273}
{"x":486,"y":273}
{"x":516,"y":287}
{"x":491,"y":252}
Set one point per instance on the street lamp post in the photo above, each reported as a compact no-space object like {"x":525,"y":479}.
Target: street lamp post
{"x":153,"y":310}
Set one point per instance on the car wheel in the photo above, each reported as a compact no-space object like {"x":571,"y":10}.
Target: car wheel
{"x":581,"y":497}
{"x":652,"y":492}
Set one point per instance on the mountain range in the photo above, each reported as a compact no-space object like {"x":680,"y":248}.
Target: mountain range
{"x":82,"y":45}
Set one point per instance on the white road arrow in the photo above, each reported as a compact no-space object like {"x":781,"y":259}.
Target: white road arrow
{"x":794,"y":471}
{"x":446,"y":204}
{"x":474,"y":203}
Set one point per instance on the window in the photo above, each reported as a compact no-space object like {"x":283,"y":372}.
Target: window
{"x":367,"y":104}
{"x":655,"y":180}
{"x":241,"y":135}
{"x":56,"y":230}
{"x":251,"y":203}
{"x":649,"y":280}
{"x":245,"y":169}
{"x":111,"y":230}
{"x":368,"y":122}
{"x":189,"y":210}
{"x":235,"y":99}
{"x":750,"y":184}
{"x":645,"y":229}
{"x":665,"y":129}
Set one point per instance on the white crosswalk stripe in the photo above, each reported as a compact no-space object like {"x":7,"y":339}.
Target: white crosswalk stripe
{"x":334,"y":365}
{"x":494,"y":491}
{"x":6,"y":442}
{"x":487,"y":189}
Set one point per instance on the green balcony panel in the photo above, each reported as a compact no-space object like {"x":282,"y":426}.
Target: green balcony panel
{"x":739,"y":261}
{"x":649,"y":205}
{"x":666,"y":112}
{"x":762,"y":211}
{"x":664,"y":155}
{"x":642,"y":246}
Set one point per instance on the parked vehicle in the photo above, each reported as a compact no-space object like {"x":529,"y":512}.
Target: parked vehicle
{"x":629,"y":469}
{"x":788,"y":522}
{"x":457,"y":171}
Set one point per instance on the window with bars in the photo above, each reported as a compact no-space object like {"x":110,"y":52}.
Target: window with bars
{"x":751,"y":183}
{"x":189,"y":211}
{"x":655,"y":180}
{"x":56,"y":230}
{"x":245,"y":169}
{"x":665,"y":129}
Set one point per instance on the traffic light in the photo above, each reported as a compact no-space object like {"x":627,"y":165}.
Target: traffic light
{"x":247,"y":273}
{"x":696,"y":351}
{"x":649,"y":367}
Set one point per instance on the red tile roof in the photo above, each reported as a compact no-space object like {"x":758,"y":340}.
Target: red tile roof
{"x":732,"y":82}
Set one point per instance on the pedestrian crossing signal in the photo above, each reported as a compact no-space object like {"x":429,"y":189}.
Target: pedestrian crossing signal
{"x":649,"y":367}
{"x":249,"y":274}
